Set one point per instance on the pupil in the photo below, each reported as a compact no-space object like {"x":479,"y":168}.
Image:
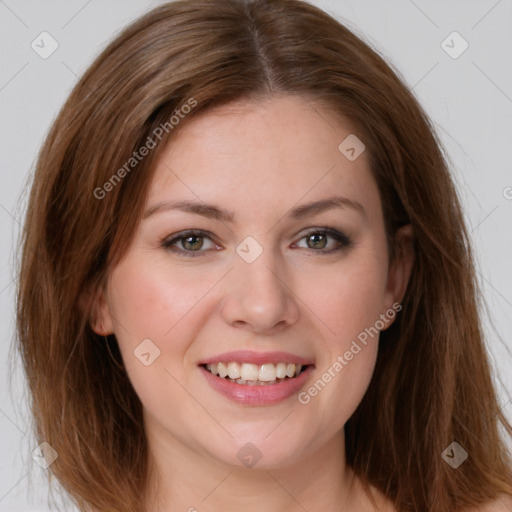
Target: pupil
{"x":315,"y":238}
{"x":192,"y":246}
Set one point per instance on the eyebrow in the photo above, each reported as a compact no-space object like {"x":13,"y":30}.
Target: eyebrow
{"x":215,"y":212}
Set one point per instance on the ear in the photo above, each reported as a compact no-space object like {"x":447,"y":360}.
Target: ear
{"x":100,"y":318}
{"x":400,"y":267}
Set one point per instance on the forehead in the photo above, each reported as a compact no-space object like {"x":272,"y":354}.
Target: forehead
{"x":262,"y":156}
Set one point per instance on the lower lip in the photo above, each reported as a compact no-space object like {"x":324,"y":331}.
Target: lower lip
{"x":257,"y":395}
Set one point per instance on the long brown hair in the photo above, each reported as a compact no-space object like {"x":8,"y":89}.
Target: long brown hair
{"x":432,"y":383}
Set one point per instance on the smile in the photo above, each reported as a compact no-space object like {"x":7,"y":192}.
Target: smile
{"x":257,"y":378}
{"x":255,"y":375}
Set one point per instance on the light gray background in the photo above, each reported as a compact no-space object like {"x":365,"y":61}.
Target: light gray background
{"x":468,"y":98}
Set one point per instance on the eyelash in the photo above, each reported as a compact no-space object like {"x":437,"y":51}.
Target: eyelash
{"x":169,"y":243}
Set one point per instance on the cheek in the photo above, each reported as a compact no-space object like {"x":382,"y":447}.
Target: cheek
{"x":344,"y":371}
{"x":149,"y":301}
{"x":349,"y":303}
{"x":348,"y":299}
{"x":155,"y":307}
{"x":349,"y":377}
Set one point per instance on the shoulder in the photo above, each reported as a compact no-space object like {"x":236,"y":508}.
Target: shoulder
{"x":372,"y":500}
{"x":502,"y":504}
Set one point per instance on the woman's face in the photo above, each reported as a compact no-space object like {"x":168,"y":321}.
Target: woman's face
{"x":273,"y":276}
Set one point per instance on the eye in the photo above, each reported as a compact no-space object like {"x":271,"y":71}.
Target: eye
{"x":191,"y":241}
{"x":317,"y":240}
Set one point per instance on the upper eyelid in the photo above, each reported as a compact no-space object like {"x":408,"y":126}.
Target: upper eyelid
{"x":332,"y":232}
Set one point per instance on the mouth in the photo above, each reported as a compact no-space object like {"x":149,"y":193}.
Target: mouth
{"x":249,"y":374}
{"x":257,"y":379}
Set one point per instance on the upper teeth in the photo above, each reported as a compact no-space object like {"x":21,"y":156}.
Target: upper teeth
{"x":250,"y":372}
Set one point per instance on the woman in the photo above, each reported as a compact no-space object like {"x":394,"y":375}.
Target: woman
{"x":246,"y":279}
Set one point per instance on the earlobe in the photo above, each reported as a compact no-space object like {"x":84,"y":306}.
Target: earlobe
{"x":400,"y":268}
{"x":100,"y":318}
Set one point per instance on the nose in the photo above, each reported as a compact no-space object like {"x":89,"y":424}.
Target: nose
{"x":259,"y":296}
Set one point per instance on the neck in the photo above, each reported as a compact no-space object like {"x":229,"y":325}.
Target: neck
{"x":184,"y":479}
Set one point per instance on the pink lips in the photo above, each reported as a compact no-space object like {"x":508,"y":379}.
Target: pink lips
{"x":248,"y":356}
{"x":257,"y":395}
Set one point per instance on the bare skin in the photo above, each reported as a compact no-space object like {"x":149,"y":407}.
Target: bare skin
{"x":259,"y":161}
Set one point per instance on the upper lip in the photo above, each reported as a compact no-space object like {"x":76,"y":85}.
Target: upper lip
{"x":249,"y":356}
